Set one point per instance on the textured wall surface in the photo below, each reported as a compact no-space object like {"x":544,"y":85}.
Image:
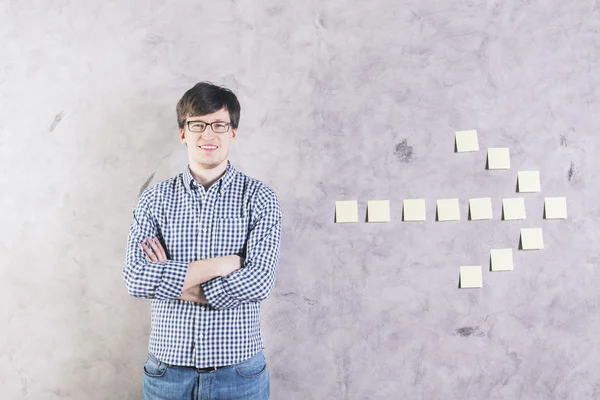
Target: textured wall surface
{"x":340,"y":100}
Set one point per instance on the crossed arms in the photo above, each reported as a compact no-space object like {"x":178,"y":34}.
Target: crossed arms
{"x":222,"y":282}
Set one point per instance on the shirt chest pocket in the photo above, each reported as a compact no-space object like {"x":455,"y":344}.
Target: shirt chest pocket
{"x":229,"y":236}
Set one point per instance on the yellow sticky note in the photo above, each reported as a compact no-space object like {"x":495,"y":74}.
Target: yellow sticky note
{"x":346,"y":211}
{"x":555,"y":207}
{"x":378,"y":211}
{"x":448,"y":210}
{"x":528,"y":181}
{"x":513,"y":208}
{"x":532,"y":239}
{"x":481,"y":208}
{"x":499,"y":158}
{"x":471,"y":276}
{"x":414,"y":210}
{"x":466,"y":141}
{"x":502,"y":259}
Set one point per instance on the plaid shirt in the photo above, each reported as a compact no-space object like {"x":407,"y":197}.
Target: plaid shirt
{"x":237,"y":215}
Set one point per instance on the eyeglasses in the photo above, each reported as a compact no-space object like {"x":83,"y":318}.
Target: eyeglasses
{"x":200,"y":126}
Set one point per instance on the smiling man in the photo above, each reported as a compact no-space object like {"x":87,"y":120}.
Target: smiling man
{"x":204,"y":247}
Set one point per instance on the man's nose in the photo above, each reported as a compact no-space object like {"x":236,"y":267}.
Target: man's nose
{"x":208,"y":132}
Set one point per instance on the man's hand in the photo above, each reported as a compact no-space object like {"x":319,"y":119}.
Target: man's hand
{"x":228,"y":264}
{"x":157,"y":254}
{"x":195,"y":294}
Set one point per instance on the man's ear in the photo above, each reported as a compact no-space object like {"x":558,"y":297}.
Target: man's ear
{"x":182,"y":136}
{"x":233,"y":133}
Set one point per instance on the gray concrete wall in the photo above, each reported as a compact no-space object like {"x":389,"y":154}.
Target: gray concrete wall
{"x":340,"y":100}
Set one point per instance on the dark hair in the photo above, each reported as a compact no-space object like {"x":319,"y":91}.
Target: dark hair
{"x":207,"y":98}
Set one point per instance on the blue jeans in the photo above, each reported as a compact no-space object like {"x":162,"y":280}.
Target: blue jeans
{"x":247,"y":380}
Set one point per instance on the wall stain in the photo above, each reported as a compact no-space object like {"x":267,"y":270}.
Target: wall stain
{"x":306,"y":299}
{"x":571,"y":171}
{"x":467,"y":331}
{"x":404,"y":152}
{"x":154,"y":40}
{"x":145,"y":185}
{"x":563,"y":141}
{"x":56,"y":121}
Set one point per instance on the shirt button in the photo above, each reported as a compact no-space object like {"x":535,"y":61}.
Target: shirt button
{"x":204,"y":230}
{"x":201,"y":336}
{"x":203,"y":307}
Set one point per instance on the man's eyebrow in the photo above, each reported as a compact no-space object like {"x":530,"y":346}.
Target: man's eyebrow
{"x":199,"y":120}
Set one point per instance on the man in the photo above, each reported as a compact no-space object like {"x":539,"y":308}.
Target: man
{"x":204,"y":246}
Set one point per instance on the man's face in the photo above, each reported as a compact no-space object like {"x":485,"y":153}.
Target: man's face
{"x":207,"y":149}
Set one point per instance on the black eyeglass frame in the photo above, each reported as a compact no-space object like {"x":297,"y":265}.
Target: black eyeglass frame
{"x":206,"y":124}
